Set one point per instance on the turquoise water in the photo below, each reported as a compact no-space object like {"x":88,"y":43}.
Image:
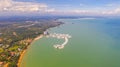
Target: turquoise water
{"x":94,"y":43}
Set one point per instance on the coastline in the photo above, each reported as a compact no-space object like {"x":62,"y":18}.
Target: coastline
{"x":6,"y":65}
{"x":24,"y":51}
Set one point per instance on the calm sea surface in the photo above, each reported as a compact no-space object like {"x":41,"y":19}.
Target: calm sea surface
{"x":94,"y":43}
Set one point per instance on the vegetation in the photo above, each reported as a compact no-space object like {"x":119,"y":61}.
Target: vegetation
{"x":16,"y":36}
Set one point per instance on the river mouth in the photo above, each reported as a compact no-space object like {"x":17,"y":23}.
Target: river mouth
{"x":92,"y":45}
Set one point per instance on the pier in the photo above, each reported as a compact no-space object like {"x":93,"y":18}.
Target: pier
{"x":59,"y":36}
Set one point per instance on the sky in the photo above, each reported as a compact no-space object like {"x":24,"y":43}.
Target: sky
{"x":60,"y":7}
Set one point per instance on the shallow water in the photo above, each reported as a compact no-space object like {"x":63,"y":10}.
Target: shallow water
{"x":94,"y":43}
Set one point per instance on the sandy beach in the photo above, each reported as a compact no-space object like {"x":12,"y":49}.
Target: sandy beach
{"x":38,"y":37}
{"x":24,"y":51}
{"x":6,"y":65}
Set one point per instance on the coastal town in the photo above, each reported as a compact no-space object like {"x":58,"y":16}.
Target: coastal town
{"x":15,"y":37}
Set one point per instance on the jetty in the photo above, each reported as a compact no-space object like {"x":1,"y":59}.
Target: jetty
{"x":59,"y":36}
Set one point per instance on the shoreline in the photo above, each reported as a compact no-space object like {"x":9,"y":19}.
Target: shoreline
{"x":24,"y":51}
{"x":6,"y":65}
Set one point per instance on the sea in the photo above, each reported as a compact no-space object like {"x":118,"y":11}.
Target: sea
{"x":95,"y":42}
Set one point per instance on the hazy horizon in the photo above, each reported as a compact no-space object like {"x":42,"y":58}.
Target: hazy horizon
{"x":60,"y":7}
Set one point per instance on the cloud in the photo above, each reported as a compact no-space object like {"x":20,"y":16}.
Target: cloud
{"x":50,"y":10}
{"x":112,"y":12}
{"x":10,"y":5}
{"x":4,"y":3}
{"x":79,"y":12}
{"x":82,"y":5}
{"x":112,"y":5}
